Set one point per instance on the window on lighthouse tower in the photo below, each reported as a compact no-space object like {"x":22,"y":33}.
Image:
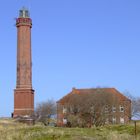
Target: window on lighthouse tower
{"x":24,"y":13}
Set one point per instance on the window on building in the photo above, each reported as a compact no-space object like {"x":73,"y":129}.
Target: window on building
{"x":71,"y":109}
{"x":64,"y":121}
{"x":122,"y":120}
{"x":114,"y":120}
{"x":92,"y":109}
{"x":113,"y":108}
{"x":106,"y":109}
{"x":121,"y":108}
{"x":106,"y":121}
{"x":64,"y":110}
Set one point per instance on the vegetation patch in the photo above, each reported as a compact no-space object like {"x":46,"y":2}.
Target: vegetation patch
{"x":11,"y":130}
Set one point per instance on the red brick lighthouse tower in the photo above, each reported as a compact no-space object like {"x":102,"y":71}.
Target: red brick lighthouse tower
{"x":24,"y":94}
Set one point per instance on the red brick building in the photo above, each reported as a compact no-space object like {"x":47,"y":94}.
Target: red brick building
{"x":24,"y":94}
{"x":95,"y":106}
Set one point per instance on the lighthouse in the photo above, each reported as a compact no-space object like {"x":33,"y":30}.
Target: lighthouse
{"x":24,"y":94}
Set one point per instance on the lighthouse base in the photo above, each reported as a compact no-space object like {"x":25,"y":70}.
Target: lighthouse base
{"x":23,"y":103}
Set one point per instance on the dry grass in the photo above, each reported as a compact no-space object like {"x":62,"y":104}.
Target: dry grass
{"x":11,"y":130}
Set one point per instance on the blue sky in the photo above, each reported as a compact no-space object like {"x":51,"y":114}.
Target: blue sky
{"x":75,"y":43}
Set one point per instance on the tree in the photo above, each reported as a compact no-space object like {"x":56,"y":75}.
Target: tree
{"x":45,"y":110}
{"x":135,"y":105}
{"x":100,"y":106}
{"x":90,"y":109}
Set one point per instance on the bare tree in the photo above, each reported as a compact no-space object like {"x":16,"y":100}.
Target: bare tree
{"x":89,"y":109}
{"x":135,"y":105}
{"x":45,"y":110}
{"x":97,"y":107}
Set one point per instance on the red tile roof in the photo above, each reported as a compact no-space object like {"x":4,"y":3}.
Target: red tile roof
{"x":92,"y":91}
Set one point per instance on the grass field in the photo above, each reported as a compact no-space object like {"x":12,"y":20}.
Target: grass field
{"x":11,"y":130}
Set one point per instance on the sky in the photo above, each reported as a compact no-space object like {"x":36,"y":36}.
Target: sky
{"x":75,"y":43}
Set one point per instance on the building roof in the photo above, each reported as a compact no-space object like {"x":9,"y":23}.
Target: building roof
{"x":112,"y":91}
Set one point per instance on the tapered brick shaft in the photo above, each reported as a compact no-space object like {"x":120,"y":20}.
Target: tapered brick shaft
{"x":24,"y":94}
